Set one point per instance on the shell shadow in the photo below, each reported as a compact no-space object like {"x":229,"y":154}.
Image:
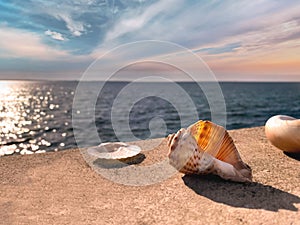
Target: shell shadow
{"x":244,"y":195}
{"x":119,"y":163}
{"x":293,"y":155}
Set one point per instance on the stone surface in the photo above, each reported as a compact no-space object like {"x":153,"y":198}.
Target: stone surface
{"x":61,"y":188}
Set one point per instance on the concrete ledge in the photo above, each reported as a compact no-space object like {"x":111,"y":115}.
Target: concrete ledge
{"x":61,"y":188}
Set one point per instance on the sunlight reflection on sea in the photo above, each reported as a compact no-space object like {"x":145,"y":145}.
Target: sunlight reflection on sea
{"x":31,"y":118}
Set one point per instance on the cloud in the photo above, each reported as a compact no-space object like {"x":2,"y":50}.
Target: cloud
{"x":194,"y":23}
{"x":231,"y":47}
{"x":225,"y":35}
{"x":133,"y":20}
{"x":266,"y":42}
{"x":26,"y":44}
{"x":77,"y":28}
{"x":67,"y":15}
{"x":55,"y":35}
{"x":84,"y":23}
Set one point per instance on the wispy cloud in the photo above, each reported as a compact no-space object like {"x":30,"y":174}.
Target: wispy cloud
{"x":220,"y":50}
{"x":77,"y":28}
{"x":133,"y":20}
{"x":25,"y":44}
{"x":55,"y":35}
{"x":194,"y":24}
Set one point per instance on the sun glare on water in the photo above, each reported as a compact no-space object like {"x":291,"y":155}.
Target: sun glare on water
{"x":16,"y":118}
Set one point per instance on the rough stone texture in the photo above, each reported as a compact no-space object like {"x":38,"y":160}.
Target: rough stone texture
{"x":61,"y":188}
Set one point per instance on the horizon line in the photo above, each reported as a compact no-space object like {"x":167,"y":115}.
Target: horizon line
{"x":178,"y":81}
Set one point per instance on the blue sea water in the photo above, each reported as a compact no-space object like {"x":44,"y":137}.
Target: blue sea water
{"x":37,"y":115}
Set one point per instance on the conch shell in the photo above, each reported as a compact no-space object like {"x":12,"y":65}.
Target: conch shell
{"x":205,"y":148}
{"x":284,"y":133}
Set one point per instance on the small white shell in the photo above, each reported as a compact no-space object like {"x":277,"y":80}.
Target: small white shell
{"x":114,"y":150}
{"x":284,"y":133}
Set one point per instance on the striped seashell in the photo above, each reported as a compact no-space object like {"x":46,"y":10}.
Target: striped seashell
{"x":204,"y":148}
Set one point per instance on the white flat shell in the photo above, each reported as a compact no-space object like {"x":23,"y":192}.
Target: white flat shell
{"x":114,"y":150}
{"x":284,"y":133}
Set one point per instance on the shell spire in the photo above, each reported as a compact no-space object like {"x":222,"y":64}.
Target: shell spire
{"x":205,"y":147}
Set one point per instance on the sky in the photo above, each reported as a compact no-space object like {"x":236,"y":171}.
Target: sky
{"x":238,"y":40}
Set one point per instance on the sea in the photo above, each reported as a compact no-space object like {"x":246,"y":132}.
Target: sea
{"x":39,"y":116}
